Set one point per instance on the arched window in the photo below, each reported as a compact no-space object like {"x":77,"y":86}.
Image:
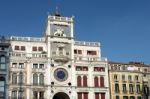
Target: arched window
{"x":96,"y":82}
{"x":85,"y":81}
{"x":14,"y":78}
{"x":79,"y":81}
{"x":41,"y":79}
{"x":35,"y":79}
{"x":101,"y":81}
{"x":21,"y":78}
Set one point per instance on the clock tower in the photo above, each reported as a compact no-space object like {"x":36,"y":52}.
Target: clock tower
{"x":60,"y":44}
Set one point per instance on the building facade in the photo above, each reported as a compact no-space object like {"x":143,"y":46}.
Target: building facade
{"x":4,"y":63}
{"x":129,"y":80}
{"x":56,"y":66}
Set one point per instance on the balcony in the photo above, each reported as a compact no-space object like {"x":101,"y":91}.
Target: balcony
{"x":56,"y":18}
{"x":39,"y":55}
{"x":90,"y":59}
{"x":124,"y":81}
{"x":116,"y":80}
{"x":131,"y":92}
{"x":18,"y":54}
{"x":130,"y":81}
{"x":60,"y":56}
{"x":117,"y":91}
{"x":16,"y":97}
{"x":38,"y":70}
{"x":124,"y":91}
{"x":31,"y":39}
{"x":83,"y":43}
{"x":33,"y":55}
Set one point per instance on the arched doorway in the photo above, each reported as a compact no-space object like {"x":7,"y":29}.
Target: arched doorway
{"x":61,"y":95}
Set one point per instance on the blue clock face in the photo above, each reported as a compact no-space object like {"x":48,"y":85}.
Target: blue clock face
{"x":61,"y":74}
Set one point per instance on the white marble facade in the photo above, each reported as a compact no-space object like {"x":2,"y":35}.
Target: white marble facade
{"x":56,"y":66}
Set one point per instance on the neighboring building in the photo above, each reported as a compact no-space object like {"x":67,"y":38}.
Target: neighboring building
{"x":128,"y":81}
{"x":55,"y":66}
{"x":4,"y":59}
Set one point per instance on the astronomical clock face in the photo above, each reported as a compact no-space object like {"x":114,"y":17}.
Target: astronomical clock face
{"x":57,"y":28}
{"x":60,"y":74}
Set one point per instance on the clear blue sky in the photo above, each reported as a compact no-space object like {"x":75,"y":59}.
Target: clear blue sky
{"x":122,"y":26}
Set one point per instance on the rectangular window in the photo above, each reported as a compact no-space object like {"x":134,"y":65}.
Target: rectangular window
{"x":139,"y":97}
{"x":79,"y":95}
{"x":21,"y":65}
{"x":85,"y":95}
{"x":23,"y":48}
{"x":78,"y":68}
{"x":95,"y":68}
{"x":79,"y":51}
{"x":115,"y":77}
{"x":138,"y":88}
{"x":97,"y":95}
{"x":40,"y":48}
{"x":116,"y":88}
{"x":124,"y":88}
{"x":34,"y":48}
{"x":145,"y":90}
{"x":16,"y":47}
{"x":130,"y":88}
{"x":3,"y":59}
{"x":102,"y":95}
{"x":2,"y":84}
{"x":85,"y":68}
{"x":136,"y":78}
{"x":125,"y":97}
{"x":81,"y":68}
{"x":123,"y":77}
{"x":145,"y":70}
{"x":132,"y":97}
{"x":101,"y":69}
{"x":14,"y":94}
{"x":130,"y":78}
{"x":14,"y":65}
{"x":2,"y":66}
{"x":35,"y":95}
{"x":117,"y":97}
{"x":41,"y":94}
{"x":91,"y":52}
{"x":35,"y":66}
{"x":75,"y":51}
{"x":20,"y":94}
{"x":41,"y":66}
{"x":14,"y":78}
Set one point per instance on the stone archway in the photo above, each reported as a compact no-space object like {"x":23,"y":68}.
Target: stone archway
{"x":61,"y":95}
